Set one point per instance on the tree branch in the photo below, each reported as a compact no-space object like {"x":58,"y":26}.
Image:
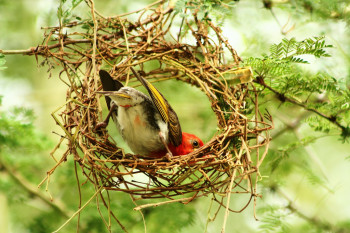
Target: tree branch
{"x":283,"y":98}
{"x":33,"y":190}
{"x":40,"y":49}
{"x":313,"y":220}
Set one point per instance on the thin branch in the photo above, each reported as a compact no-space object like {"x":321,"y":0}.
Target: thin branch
{"x":283,"y":98}
{"x":80,"y":209}
{"x":33,"y":190}
{"x":182,"y":200}
{"x":122,"y":44}
{"x":313,"y":220}
{"x":228,"y":196}
{"x":136,"y":11}
{"x":40,"y":49}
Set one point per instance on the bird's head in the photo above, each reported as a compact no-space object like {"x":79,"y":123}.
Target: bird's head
{"x":125,"y":96}
{"x":190,"y":142}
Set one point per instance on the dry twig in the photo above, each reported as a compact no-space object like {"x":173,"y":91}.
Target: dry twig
{"x":223,"y":166}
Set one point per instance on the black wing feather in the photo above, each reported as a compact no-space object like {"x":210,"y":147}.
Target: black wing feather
{"x":109,"y":84}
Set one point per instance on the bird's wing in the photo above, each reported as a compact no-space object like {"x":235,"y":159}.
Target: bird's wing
{"x":109,"y":84}
{"x":166,"y":111}
{"x":174,"y":128}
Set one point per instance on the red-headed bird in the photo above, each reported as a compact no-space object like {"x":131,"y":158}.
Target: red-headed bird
{"x":149,"y":126}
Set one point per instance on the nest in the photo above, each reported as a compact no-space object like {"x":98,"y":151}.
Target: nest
{"x":228,"y":163}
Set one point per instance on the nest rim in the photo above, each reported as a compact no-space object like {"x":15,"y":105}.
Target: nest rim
{"x":210,"y":169}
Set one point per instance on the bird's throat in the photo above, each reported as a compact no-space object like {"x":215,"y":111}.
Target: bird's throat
{"x":126,"y":106}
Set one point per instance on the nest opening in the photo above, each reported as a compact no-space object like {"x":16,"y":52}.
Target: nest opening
{"x":228,"y":163}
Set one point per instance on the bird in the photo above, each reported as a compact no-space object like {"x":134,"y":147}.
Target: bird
{"x":148,"y":124}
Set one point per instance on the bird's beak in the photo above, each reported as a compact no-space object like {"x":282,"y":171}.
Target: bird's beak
{"x":115,"y":93}
{"x":123,"y":95}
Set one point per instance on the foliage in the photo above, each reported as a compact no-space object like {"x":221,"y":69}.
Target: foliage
{"x":323,"y":9}
{"x":316,"y":102}
{"x":65,"y":10}
{"x":319,"y":92}
{"x":205,"y":9}
{"x":18,"y":135}
{"x":21,"y":146}
{"x":24,"y":157}
{"x":274,"y":219}
{"x":2,"y":61}
{"x":283,"y":56}
{"x":323,"y":101}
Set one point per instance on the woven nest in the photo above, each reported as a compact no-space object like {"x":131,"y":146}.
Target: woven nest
{"x":226,"y":164}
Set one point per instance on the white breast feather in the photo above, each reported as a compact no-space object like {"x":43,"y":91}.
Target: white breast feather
{"x":141,"y":138}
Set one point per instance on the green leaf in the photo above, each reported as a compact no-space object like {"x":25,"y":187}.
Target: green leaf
{"x":2,"y":61}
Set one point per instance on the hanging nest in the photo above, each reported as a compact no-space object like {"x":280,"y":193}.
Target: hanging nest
{"x":228,"y":163}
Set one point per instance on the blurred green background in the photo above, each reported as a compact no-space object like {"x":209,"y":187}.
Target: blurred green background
{"x":308,"y":192}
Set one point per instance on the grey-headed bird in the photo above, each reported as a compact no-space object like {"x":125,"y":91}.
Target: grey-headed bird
{"x":148,"y":125}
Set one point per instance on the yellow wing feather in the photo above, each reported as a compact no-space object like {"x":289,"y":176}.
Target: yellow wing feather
{"x":167,"y":113}
{"x":159,"y":101}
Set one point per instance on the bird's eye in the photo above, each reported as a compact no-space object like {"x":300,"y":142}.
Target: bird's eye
{"x":195,"y":143}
